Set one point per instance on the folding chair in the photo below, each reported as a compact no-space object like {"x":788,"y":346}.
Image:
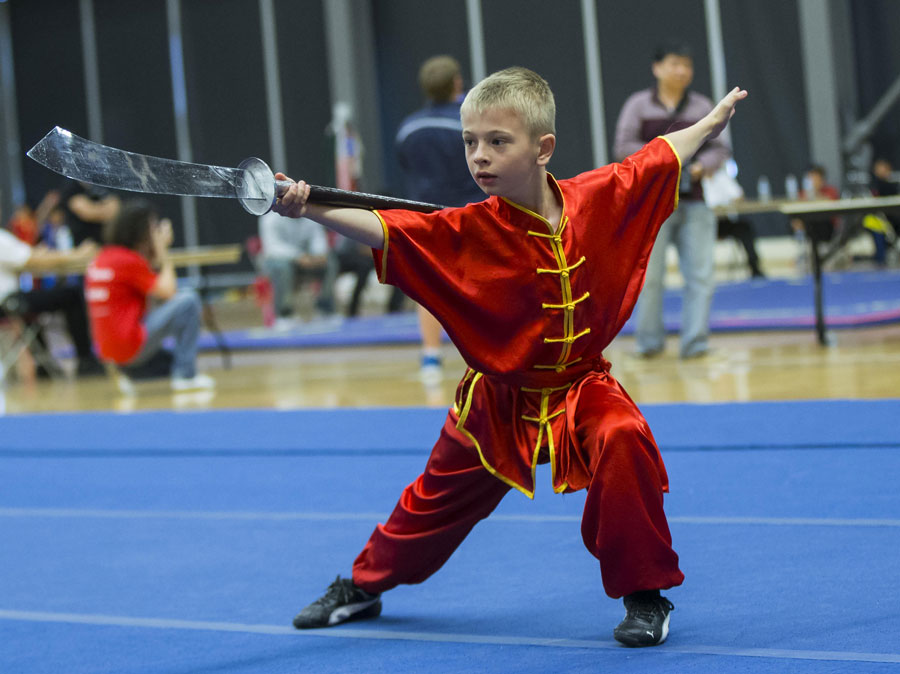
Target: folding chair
{"x":16,"y":338}
{"x":19,"y":336}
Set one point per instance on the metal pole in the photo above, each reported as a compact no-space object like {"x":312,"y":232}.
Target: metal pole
{"x":182,"y":129}
{"x":352,"y":76}
{"x":91,"y":71}
{"x":476,"y":40}
{"x":716,"y":48}
{"x":273,"y":86}
{"x":12,"y":186}
{"x":594,"y":81}
{"x":820,"y":83}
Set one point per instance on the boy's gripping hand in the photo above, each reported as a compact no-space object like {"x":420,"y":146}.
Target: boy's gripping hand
{"x":359,"y":224}
{"x":724,"y":110}
{"x":292,"y":203}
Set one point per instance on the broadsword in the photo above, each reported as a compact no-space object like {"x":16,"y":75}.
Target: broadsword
{"x":252,"y":183}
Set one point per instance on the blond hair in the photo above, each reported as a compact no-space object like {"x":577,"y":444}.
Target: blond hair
{"x":518,"y":89}
{"x":437,"y":77}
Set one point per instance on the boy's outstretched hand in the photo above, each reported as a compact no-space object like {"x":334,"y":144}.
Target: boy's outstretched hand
{"x":291,"y":204}
{"x":724,"y":110}
{"x":687,"y":141}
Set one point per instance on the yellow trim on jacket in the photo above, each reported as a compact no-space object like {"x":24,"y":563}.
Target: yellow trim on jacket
{"x":675,"y":152}
{"x":460,"y":426}
{"x":384,"y":249}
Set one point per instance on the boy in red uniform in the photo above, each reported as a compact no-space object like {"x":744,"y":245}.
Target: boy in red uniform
{"x":120,"y":283}
{"x":531,"y":284}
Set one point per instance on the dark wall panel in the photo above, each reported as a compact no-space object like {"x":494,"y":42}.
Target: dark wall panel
{"x":769,"y":133}
{"x":629,"y":34}
{"x":136,"y":86}
{"x":876,"y":29}
{"x":135,"y":77}
{"x":305,"y":93}
{"x":549,"y":40}
{"x":406,"y":33}
{"x":49,"y":76}
{"x":226,"y":101}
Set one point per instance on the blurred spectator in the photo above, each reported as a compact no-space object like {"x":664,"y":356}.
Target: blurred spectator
{"x":815,"y":186}
{"x":884,"y":184}
{"x":667,"y":106}
{"x":292,"y":251}
{"x":433,"y":160}
{"x":132,"y":307}
{"x":16,"y":257}
{"x":721,"y":189}
{"x":347,"y":256}
{"x":23,"y":224}
{"x":54,"y":233}
{"x":88,"y":208}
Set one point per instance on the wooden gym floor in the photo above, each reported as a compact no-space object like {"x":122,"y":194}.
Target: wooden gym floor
{"x":864,"y":363}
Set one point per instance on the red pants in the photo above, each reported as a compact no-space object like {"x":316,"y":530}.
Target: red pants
{"x":623,"y":524}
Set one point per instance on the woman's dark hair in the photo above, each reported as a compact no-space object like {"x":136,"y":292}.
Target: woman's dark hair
{"x":131,"y":227}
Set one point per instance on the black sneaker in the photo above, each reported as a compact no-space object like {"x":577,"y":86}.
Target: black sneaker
{"x":343,"y":601}
{"x":89,"y":367}
{"x":646,"y":620}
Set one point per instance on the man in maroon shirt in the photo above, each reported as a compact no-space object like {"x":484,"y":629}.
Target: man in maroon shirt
{"x":663,"y":108}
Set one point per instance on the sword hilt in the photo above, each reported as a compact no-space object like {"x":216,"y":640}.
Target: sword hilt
{"x":331,"y":196}
{"x":258,"y":189}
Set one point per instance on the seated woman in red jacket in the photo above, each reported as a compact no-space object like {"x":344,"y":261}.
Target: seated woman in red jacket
{"x":134,"y":301}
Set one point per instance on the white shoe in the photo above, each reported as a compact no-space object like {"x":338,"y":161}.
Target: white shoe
{"x":123,"y":383}
{"x":431,"y":375}
{"x":198,"y":382}
{"x":284,"y":324}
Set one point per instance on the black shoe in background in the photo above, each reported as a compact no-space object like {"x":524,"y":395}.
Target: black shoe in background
{"x":158,"y":366}
{"x":89,"y":367}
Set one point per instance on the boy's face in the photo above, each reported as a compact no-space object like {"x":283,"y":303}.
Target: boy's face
{"x":503,"y":157}
{"x":674,"y":72}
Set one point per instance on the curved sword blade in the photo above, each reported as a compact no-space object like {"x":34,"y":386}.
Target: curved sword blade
{"x":81,"y":159}
{"x":252,"y":183}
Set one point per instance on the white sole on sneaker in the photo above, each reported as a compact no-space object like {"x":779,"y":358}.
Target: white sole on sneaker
{"x":347,"y":611}
{"x":665,"y":630}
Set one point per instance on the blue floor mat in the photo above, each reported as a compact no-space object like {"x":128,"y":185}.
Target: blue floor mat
{"x":185,"y":542}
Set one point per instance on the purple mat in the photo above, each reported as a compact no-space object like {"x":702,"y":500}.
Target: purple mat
{"x":852,"y":299}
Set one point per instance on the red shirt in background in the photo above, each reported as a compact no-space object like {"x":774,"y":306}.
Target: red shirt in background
{"x":116,"y":286}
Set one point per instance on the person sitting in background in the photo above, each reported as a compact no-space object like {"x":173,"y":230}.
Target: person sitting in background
{"x":88,"y":210}
{"x":291,"y":251}
{"x":346,"y":256}
{"x":884,"y":185}
{"x":16,"y":257}
{"x":722,"y":189}
{"x":24,"y":225}
{"x":816,"y":187}
{"x":119,"y":283}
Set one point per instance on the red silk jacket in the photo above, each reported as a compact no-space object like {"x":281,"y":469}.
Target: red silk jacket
{"x":529,"y":308}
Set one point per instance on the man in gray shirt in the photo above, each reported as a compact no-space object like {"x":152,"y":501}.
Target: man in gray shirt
{"x":669,"y":106}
